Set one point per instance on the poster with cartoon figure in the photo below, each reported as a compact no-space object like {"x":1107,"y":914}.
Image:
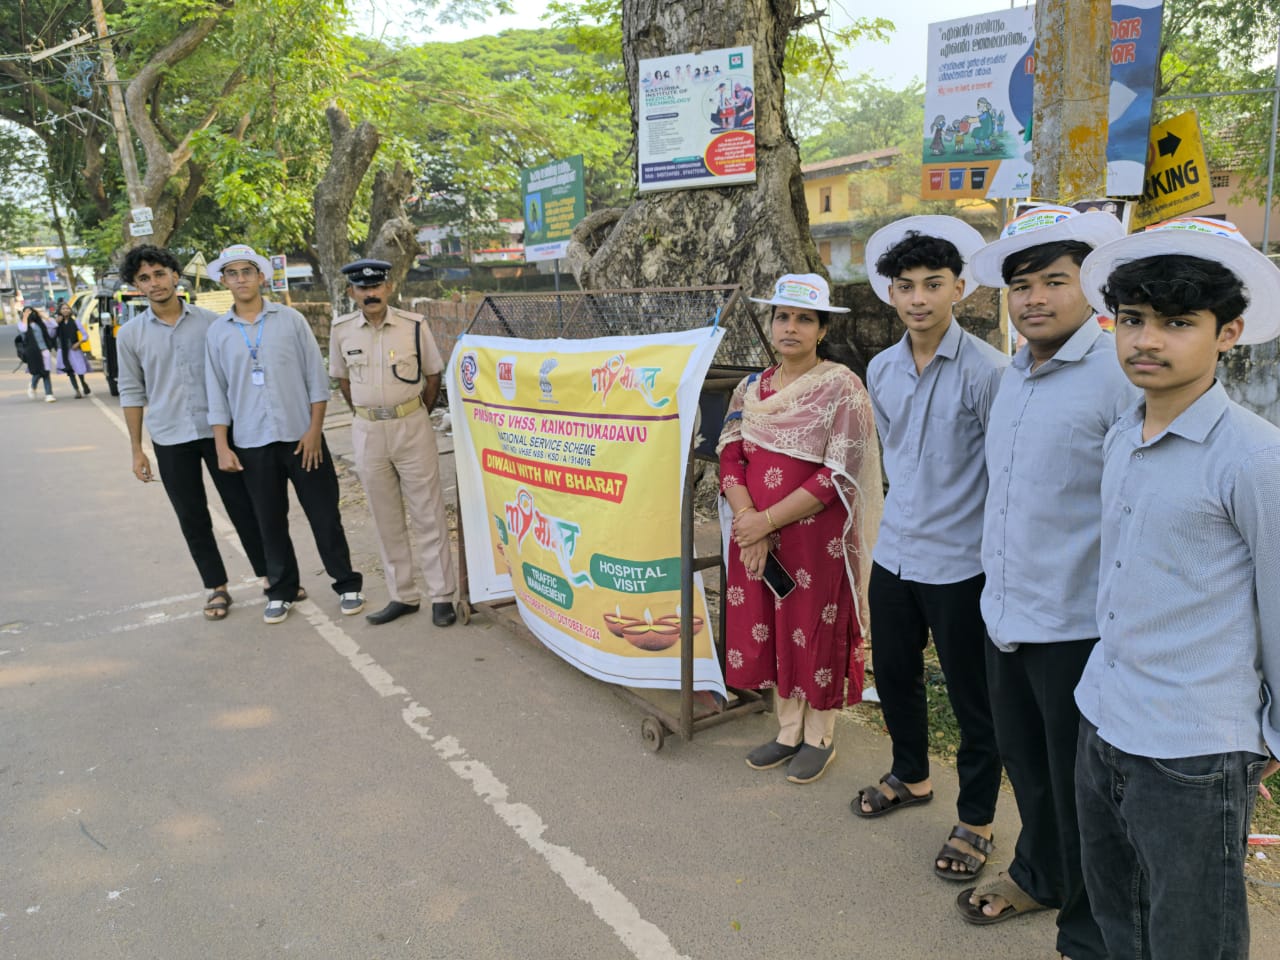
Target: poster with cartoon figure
{"x":697,"y":120}
{"x":980,"y":89}
{"x":571,"y":457}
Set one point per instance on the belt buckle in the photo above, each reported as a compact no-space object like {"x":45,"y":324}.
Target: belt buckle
{"x":383,"y":413}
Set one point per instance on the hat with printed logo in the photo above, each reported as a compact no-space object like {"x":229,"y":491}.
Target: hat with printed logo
{"x":1218,"y":240}
{"x":234,"y":253}
{"x":807,"y":290}
{"x":959,"y":234}
{"x":1048,"y":223}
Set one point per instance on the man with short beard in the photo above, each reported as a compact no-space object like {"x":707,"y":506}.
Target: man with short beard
{"x":1040,"y":549}
{"x":387,"y":366}
{"x":161,"y":358}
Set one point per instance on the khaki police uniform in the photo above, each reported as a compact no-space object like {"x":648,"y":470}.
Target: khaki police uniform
{"x":395,"y":446}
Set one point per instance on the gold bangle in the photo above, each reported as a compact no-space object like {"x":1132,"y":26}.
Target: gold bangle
{"x":741,"y":512}
{"x":768,"y":516}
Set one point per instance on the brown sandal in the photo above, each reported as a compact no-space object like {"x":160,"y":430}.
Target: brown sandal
{"x":215,"y":608}
{"x":874,"y":798}
{"x":972,"y":866}
{"x":1018,"y":903}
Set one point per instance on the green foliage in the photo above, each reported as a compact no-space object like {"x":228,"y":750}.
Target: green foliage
{"x":843,"y":117}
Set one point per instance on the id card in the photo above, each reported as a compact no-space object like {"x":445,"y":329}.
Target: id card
{"x":259,"y":376}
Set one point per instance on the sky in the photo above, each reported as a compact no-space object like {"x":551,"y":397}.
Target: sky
{"x":897,"y":61}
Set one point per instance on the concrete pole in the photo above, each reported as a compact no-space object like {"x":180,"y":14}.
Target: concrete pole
{"x":1072,"y":94}
{"x":128,"y":160}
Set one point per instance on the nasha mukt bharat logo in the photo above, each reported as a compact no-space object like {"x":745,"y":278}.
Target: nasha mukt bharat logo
{"x":468,"y":367}
{"x":616,"y":372}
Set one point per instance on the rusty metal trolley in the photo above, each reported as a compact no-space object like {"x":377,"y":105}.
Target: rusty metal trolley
{"x":744,"y":349}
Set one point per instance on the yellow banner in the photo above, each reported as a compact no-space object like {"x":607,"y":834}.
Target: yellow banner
{"x":571,"y":458}
{"x":1177,"y":179}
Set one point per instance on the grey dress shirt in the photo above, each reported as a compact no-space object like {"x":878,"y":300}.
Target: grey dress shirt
{"x":294,"y":375}
{"x":1189,"y":596}
{"x":931,"y":431}
{"x":161,"y":367}
{"x":1042,"y":524}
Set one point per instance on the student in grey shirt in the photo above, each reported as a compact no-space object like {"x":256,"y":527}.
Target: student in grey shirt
{"x":1178,"y":702}
{"x":265,"y":373}
{"x":931,"y":394}
{"x":161,"y":358}
{"x":1060,"y":395}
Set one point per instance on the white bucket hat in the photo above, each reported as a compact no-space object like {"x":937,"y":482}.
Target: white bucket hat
{"x":959,"y":234}
{"x":1216,"y":240}
{"x":1044,"y":224}
{"x":806,"y":290}
{"x":238,"y":251}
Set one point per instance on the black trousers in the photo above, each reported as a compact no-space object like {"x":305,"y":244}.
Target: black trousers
{"x":179,"y":468}
{"x":268,"y":471}
{"x":1038,"y":727}
{"x":903,"y":614}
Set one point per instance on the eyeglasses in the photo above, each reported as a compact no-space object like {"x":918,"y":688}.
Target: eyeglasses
{"x":248,"y":273}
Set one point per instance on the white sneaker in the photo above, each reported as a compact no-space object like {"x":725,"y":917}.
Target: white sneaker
{"x":351,"y":603}
{"x":50,"y":398}
{"x":31,"y":393}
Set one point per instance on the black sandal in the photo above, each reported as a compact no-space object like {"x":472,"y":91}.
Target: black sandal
{"x":971,"y":864}
{"x":874,"y":797}
{"x":216,"y":607}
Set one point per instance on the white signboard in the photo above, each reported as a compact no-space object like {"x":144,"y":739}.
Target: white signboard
{"x":697,"y":120}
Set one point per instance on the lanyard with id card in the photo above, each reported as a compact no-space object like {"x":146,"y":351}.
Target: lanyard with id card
{"x":257,"y":376}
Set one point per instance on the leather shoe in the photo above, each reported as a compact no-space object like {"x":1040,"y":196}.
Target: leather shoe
{"x":442,"y":614}
{"x":392,"y":611}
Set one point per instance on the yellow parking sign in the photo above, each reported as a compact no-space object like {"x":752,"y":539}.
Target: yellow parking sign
{"x":1177,"y":179}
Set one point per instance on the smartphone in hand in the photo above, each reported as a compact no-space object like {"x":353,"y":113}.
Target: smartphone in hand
{"x":776,"y":577}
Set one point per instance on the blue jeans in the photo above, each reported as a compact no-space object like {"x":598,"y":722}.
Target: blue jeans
{"x":1163,"y":845}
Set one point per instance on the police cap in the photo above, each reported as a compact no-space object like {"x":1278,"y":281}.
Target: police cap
{"x":367,"y":273}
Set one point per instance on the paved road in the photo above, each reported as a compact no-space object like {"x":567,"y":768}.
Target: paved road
{"x":171,"y":788}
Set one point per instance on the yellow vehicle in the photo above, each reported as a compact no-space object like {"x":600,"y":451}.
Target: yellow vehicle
{"x":112,"y":305}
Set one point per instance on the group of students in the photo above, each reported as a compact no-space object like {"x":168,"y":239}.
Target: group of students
{"x":58,"y":347}
{"x":1089,"y":532}
{"x":245,"y":394}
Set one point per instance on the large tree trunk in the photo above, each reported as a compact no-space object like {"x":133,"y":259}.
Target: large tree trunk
{"x":353,"y":150}
{"x":392,"y":235}
{"x":743,"y":234}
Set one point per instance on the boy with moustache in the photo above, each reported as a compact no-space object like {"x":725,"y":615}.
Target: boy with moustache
{"x":1040,"y":544}
{"x":1180,"y":721}
{"x":931,"y":394}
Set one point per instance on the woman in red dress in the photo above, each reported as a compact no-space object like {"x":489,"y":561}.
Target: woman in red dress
{"x":800,"y":477}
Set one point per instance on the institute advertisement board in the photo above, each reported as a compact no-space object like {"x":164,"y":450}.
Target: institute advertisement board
{"x":697,"y":120}
{"x":571,"y":457}
{"x":554,"y":202}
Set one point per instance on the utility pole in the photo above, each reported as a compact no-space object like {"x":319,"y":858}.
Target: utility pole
{"x":128,"y":160}
{"x":1072,"y":98}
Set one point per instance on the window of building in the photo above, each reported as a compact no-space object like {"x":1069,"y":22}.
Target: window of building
{"x":855,"y":195}
{"x":1219,"y":181}
{"x":824,"y":199}
{"x":824,"y":249}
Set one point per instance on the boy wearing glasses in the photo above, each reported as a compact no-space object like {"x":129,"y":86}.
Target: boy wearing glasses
{"x":387,"y":366}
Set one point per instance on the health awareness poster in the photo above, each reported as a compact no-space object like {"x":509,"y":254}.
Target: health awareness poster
{"x":697,"y":120}
{"x":571,"y":458}
{"x":978,"y":102}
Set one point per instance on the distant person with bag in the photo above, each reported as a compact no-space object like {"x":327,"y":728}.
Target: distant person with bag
{"x":71,"y":356}
{"x":800,"y":473}
{"x":38,"y":348}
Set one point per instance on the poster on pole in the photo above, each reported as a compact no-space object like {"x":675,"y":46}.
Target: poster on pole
{"x":1177,"y":171}
{"x":554,"y":202}
{"x":571,"y":457}
{"x":980,"y":88}
{"x":279,"y":273}
{"x":697,"y":120}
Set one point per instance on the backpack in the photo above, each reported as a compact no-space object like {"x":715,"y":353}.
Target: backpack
{"x":18,"y":346}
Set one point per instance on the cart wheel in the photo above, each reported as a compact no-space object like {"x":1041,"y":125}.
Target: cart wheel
{"x":652,"y":733}
{"x":464,"y":612}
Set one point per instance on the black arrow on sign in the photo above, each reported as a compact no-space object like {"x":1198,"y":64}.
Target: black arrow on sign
{"x":1168,"y":145}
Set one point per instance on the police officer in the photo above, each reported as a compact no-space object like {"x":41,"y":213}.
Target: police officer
{"x":387,"y":366}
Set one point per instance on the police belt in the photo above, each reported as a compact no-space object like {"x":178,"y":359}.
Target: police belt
{"x":389,"y":413}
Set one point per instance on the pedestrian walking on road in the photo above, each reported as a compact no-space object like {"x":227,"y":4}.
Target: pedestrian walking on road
{"x":72,"y":360}
{"x":388,"y":368}
{"x":39,"y":346}
{"x":800,"y":474}
{"x":1180,"y":717}
{"x":162,"y":379}
{"x":1040,"y":547}
{"x":932,"y":395}
{"x":265,"y":374}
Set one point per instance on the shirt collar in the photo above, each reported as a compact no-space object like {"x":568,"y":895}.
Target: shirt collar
{"x":948,"y":346}
{"x":1195,"y":422}
{"x":1075,"y":349}
{"x":388,"y":320}
{"x":268,"y":306}
{"x":151,"y":314}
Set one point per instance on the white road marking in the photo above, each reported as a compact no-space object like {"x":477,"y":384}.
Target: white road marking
{"x":643,"y":939}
